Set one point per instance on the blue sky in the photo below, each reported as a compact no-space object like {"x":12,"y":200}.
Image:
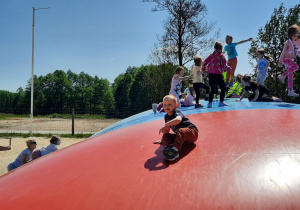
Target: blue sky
{"x":104,"y":38}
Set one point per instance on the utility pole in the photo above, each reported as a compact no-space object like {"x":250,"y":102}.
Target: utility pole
{"x":32,"y":71}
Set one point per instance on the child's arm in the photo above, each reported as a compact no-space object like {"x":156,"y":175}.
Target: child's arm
{"x":243,"y":41}
{"x":256,"y":95}
{"x":4,"y":148}
{"x":266,"y":67}
{"x":282,"y":53}
{"x":183,"y":78}
{"x":242,"y":96}
{"x":167,"y":126}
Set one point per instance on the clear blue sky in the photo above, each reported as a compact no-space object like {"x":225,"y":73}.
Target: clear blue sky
{"x":104,"y":38}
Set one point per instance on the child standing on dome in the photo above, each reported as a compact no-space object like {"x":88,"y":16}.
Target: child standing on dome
{"x":197,"y":81}
{"x":216,"y":64}
{"x":290,"y":51}
{"x":262,"y":66}
{"x":176,"y":83}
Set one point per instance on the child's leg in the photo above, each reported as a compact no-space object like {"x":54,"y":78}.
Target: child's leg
{"x":174,"y":93}
{"x":168,"y":138}
{"x":213,"y":86}
{"x":291,"y":68}
{"x":230,"y":74}
{"x":222,"y":86}
{"x":205,"y":87}
{"x":233,"y":67}
{"x":188,"y":134}
{"x":197,"y":91}
{"x":261,"y":78}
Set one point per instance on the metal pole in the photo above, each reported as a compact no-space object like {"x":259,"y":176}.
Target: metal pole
{"x":32,"y":70}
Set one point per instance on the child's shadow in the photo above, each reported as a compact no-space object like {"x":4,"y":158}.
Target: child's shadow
{"x":158,"y":162}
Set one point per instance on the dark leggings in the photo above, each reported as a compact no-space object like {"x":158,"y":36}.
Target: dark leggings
{"x":216,"y":80}
{"x":260,"y":96}
{"x":197,"y":87}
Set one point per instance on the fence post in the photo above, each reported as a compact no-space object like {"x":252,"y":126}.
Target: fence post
{"x":73,"y":110}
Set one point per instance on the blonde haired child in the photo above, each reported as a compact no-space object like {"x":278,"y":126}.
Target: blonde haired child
{"x":197,"y":81}
{"x":184,"y":130}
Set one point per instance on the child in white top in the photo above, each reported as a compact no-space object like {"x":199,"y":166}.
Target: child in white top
{"x":197,"y":81}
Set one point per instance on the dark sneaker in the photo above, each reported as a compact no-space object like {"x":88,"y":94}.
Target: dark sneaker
{"x":198,"y":106}
{"x":170,"y":153}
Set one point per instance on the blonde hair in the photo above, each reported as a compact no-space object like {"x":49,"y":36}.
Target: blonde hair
{"x":197,"y":61}
{"x":262,"y":51}
{"x":30,"y":141}
{"x":179,"y":69}
{"x":170,"y":97}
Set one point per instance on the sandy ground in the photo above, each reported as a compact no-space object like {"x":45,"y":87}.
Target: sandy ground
{"x":54,"y":125}
{"x":44,"y":125}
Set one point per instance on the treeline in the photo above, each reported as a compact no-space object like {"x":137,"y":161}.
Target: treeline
{"x":272,"y":37}
{"x":58,"y":92}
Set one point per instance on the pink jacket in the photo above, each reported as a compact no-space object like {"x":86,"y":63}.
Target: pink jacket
{"x":288,"y":51}
{"x":216,"y":63}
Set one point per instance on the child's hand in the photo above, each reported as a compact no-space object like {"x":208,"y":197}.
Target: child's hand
{"x":164,"y":130}
{"x":157,"y":142}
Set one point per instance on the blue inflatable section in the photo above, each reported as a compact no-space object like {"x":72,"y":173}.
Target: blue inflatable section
{"x":148,"y":116}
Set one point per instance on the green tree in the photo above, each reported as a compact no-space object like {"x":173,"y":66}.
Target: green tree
{"x":272,"y":37}
{"x":186,"y":31}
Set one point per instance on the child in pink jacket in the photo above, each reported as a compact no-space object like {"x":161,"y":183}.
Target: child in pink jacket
{"x":216,"y":64}
{"x":290,"y":51}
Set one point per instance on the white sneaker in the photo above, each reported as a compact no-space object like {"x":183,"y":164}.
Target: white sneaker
{"x":292,"y":93}
{"x":281,"y":78}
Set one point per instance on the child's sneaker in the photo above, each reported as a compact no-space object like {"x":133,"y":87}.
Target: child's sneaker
{"x":209,"y":105}
{"x":277,"y":100}
{"x":292,"y":93}
{"x":221,"y":103}
{"x":281,"y":78}
{"x":170,"y":153}
{"x":198,"y":106}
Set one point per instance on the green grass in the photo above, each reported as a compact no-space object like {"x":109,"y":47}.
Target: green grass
{"x":26,"y":135}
